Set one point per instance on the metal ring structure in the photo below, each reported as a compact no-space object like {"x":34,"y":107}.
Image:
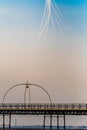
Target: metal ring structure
{"x":26,"y":84}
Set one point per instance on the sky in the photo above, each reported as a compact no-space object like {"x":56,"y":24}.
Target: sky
{"x":46,"y":47}
{"x":54,"y":57}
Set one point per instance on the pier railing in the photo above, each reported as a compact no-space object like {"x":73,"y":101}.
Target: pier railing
{"x":44,"y":106}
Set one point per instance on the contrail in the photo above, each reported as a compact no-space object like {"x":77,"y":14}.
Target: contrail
{"x":53,"y":15}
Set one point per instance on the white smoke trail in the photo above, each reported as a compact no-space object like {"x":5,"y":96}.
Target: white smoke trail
{"x":61,"y":24}
{"x":53,"y":15}
{"x":45,"y":22}
{"x":52,"y":21}
{"x":65,"y":24}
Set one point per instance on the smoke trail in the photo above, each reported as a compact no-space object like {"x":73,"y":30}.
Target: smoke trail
{"x":48,"y":4}
{"x":45,"y":22}
{"x":53,"y":15}
{"x":65,"y":25}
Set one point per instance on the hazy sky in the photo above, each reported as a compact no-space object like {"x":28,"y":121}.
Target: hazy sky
{"x":57,"y":63}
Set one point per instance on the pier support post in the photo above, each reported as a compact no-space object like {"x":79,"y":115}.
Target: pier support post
{"x":44,"y":122}
{"x":50,"y":122}
{"x":3,"y":122}
{"x":57,"y":122}
{"x":9,"y":121}
{"x":64,"y":122}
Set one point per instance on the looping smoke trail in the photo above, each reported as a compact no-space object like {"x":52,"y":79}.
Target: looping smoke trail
{"x":53,"y":15}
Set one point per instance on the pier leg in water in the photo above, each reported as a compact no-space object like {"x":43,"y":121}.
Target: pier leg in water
{"x":57,"y":122}
{"x":64,"y":122}
{"x":44,"y":122}
{"x":9,"y":121}
{"x":50,"y":122}
{"x":3,"y":122}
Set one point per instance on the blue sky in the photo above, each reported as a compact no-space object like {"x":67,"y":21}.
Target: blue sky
{"x":67,"y":2}
{"x":29,"y":12}
{"x":72,"y":2}
{"x":75,"y":11}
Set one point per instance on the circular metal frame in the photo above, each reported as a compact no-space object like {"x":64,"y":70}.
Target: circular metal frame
{"x":26,"y":85}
